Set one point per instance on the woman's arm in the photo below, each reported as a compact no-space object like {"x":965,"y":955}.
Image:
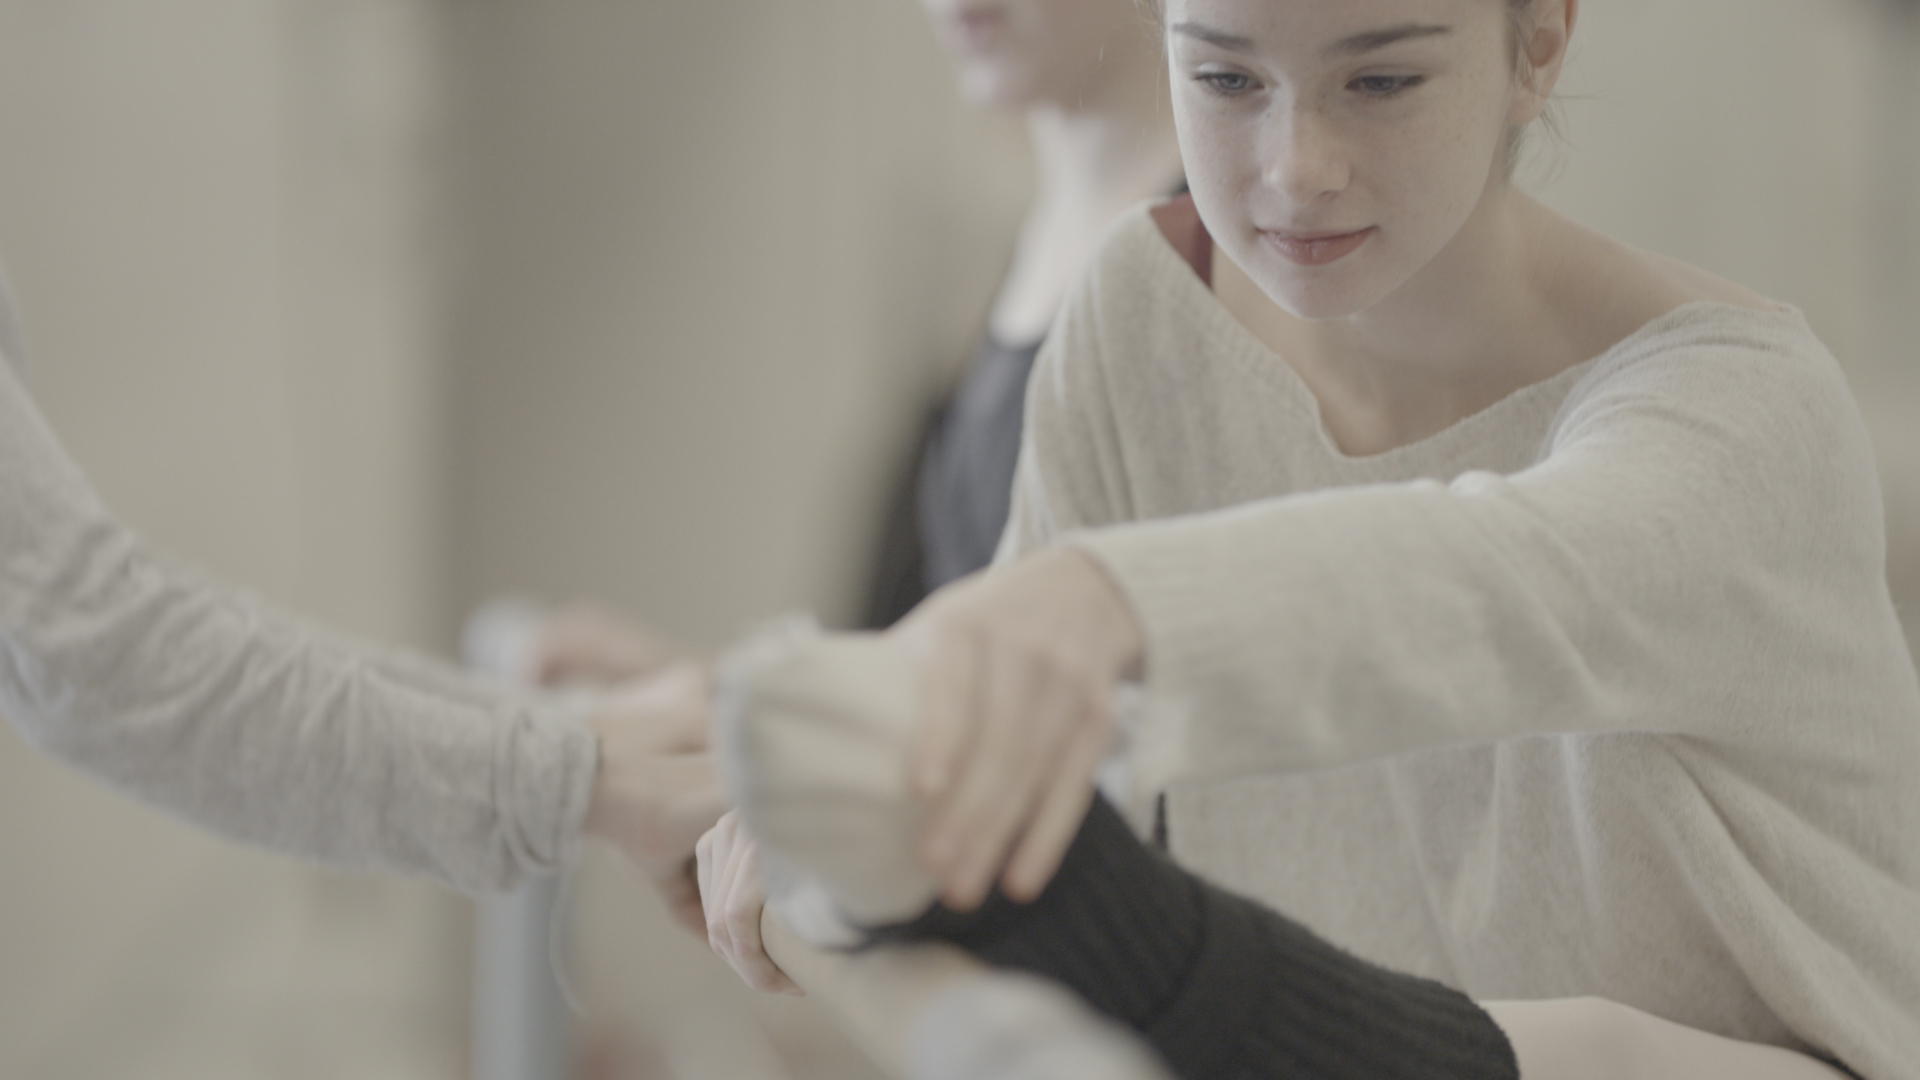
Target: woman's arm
{"x":1699,"y":548}
{"x":1698,"y":552}
{"x":208,"y":704}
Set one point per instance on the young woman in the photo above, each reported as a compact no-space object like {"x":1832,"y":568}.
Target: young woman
{"x":1519,"y":596}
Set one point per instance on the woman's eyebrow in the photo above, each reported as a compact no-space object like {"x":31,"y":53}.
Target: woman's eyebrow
{"x":1380,"y":39}
{"x":1354,"y":45}
{"x":1210,"y":35}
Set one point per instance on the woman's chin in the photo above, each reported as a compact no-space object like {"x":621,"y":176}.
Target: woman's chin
{"x":1320,"y":294}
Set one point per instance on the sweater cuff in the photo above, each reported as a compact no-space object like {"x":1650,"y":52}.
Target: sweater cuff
{"x":546,"y":759}
{"x":1161,"y":570}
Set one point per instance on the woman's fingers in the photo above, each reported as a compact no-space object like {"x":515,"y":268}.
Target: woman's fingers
{"x":732,"y":901}
{"x":1019,"y":663}
{"x":711,"y":855}
{"x":1036,"y":711}
{"x":589,"y":644}
{"x":946,"y":722}
{"x":1062,"y":809}
{"x":681,"y":891}
{"x":744,"y":906}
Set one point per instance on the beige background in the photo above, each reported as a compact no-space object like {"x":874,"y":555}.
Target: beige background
{"x":380,"y":307}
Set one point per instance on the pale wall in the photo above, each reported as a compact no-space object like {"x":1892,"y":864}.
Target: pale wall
{"x":212,"y":211}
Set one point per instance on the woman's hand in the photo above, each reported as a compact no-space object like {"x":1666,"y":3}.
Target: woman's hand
{"x":729,"y":877}
{"x":657,"y":790}
{"x":586,"y":643}
{"x":1021,"y":663}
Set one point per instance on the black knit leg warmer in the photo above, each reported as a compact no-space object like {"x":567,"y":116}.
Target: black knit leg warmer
{"x":1223,"y":988}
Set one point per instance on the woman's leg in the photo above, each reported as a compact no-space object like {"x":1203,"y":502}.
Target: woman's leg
{"x":1597,"y":1039}
{"x":931,"y":1012}
{"x":813,"y":730}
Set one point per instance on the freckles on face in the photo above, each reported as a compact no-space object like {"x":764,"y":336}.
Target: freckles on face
{"x":1336,"y":147}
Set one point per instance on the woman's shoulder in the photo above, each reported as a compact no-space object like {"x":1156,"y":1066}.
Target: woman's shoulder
{"x":1146,"y":283}
{"x":1663,"y":334}
{"x":1606,"y":292}
{"x":1143,"y":336}
{"x":1636,"y":314}
{"x":1757,"y":344}
{"x":1157,"y":249}
{"x":1672,"y":283}
{"x":1133,"y":291}
{"x":1756,"y":381}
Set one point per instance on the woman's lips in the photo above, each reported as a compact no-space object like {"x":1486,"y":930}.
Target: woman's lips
{"x":1316,"y":249}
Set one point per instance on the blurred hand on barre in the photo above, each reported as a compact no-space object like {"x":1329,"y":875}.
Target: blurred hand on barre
{"x":656,"y":790}
{"x":584,"y":643}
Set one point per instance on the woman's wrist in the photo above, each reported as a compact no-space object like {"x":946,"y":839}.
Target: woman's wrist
{"x":655,"y":788}
{"x":1111,"y":619}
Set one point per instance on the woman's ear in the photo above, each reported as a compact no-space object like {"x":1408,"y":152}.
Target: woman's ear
{"x":1542,"y":55}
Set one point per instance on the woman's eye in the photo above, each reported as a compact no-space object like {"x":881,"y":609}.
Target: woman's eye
{"x":1226,"y":83}
{"x":1385,"y":86}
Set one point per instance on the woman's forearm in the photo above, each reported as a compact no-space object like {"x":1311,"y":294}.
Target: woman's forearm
{"x":202,"y":701}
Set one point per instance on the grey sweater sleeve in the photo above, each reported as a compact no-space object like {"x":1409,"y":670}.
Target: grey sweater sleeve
{"x":208,"y":704}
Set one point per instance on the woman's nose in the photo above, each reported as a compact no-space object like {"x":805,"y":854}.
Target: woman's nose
{"x":1304,"y":161}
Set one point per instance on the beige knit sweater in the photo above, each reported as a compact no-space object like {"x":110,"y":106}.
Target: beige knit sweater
{"x":201,"y":701}
{"x":1597,"y":692}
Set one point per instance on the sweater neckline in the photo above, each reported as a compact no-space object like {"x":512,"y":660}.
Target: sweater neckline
{"x":1461,"y":434}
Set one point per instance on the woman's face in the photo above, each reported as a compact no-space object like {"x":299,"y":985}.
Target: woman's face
{"x":1019,"y":53}
{"x":1335,"y":148}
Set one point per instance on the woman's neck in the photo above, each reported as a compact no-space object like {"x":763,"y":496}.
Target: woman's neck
{"x":1110,"y":150}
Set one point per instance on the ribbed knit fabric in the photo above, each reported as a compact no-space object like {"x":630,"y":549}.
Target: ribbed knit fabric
{"x":1124,"y":931}
{"x":1220,"y":987}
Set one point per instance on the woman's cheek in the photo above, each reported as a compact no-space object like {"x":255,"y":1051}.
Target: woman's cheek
{"x":1215,"y":156}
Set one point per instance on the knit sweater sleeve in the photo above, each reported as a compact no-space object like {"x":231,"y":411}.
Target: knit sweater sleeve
{"x":207,"y":704}
{"x":1698,"y":551}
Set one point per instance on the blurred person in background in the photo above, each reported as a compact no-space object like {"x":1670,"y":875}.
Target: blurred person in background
{"x":1085,"y":75}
